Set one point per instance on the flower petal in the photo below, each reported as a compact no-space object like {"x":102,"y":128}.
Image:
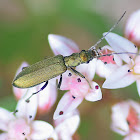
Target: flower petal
{"x":106,"y":48}
{"x":107,"y":58}
{"x":121,"y":44}
{"x":119,"y":115}
{"x":67,"y":124}
{"x":133,"y":136}
{"x":18,"y":92}
{"x":138,"y":86}
{"x":66,"y":105}
{"x":113,"y":59}
{"x":137,"y":60}
{"x":65,"y":78}
{"x":41,"y":130}
{"x":132,"y":28}
{"x":27,"y":110}
{"x":65,"y":135}
{"x":135,"y":105}
{"x":47,"y":97}
{"x":104,"y":70}
{"x":4,"y":136}
{"x":53,"y":136}
{"x":119,"y":78}
{"x":62,"y":45}
{"x":118,"y":60}
{"x":95,"y":93}
{"x":137,"y":66}
{"x":88,"y":69}
{"x":5,"y":117}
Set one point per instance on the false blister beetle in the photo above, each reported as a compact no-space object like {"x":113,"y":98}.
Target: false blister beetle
{"x":49,"y":68}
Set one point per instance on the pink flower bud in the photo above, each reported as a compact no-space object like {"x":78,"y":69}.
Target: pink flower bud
{"x":132,"y":28}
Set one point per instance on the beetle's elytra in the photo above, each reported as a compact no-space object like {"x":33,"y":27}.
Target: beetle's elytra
{"x":40,"y":72}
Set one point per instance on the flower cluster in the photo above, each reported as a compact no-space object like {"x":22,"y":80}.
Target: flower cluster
{"x":126,"y":119}
{"x":20,"y":125}
{"x":126,"y":114}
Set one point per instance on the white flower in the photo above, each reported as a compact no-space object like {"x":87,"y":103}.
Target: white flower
{"x":105,"y":65}
{"x":132,"y":28}
{"x":126,"y":118}
{"x":66,"y":126}
{"x":126,"y":74}
{"x":20,"y":125}
{"x":133,"y":136}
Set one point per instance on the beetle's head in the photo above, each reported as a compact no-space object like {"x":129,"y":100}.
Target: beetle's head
{"x":92,"y":54}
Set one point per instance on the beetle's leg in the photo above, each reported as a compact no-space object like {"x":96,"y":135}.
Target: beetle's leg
{"x":60,"y":82}
{"x":81,"y":75}
{"x":28,"y":99}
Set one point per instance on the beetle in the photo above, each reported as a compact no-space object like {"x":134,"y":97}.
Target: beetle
{"x":49,"y":68}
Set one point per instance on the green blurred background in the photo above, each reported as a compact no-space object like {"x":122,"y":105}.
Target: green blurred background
{"x":24,"y":27}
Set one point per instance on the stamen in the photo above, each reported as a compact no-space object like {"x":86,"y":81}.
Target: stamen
{"x":129,"y":70}
{"x":79,"y":80}
{"x":132,"y":61}
{"x":23,"y":133}
{"x":128,"y":122}
{"x":61,"y":113}
{"x":73,"y":97}
{"x":96,"y":87}
{"x":69,"y":74}
{"x":15,"y":112}
{"x":27,"y":101}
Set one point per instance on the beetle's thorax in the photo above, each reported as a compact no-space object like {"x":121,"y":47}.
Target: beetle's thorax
{"x":79,"y":58}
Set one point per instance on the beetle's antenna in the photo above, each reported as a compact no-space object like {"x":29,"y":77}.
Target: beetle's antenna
{"x":98,"y":56}
{"x":100,"y":40}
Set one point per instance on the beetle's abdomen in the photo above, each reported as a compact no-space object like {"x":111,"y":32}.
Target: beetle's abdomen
{"x":40,"y":72}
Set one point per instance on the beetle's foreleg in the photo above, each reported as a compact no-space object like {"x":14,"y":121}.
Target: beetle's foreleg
{"x":28,"y":99}
{"x":81,"y":75}
{"x":60,"y":82}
